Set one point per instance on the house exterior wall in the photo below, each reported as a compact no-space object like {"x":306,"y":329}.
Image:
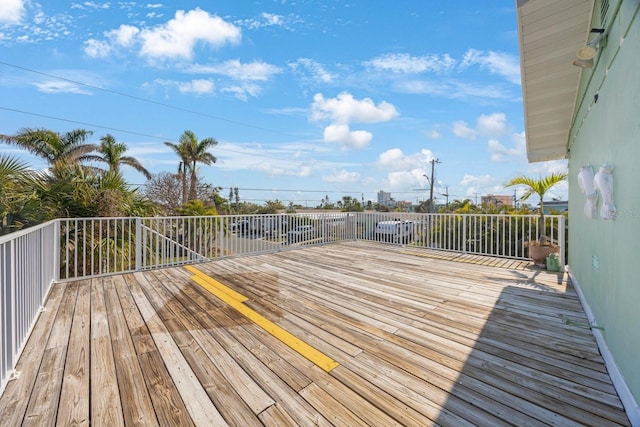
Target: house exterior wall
{"x":603,"y":254}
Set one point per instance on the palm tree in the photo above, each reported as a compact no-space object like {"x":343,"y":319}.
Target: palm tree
{"x":57,"y":149}
{"x":111,"y":152}
{"x":19,"y":205}
{"x":192,"y":152}
{"x":181,"y":151}
{"x":539,"y":187}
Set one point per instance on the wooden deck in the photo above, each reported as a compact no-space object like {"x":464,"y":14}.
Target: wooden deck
{"x":419,"y":340}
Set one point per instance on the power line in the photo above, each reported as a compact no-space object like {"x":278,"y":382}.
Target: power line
{"x":81,"y":123}
{"x":137,"y":98}
{"x":262,"y":156}
{"x":286,"y":190}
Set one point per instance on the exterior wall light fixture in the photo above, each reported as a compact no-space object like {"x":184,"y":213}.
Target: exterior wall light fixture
{"x":588,"y":52}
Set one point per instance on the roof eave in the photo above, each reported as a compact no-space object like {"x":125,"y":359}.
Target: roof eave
{"x":549,"y":35}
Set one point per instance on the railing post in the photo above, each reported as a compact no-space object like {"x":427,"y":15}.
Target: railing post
{"x":464,"y":234}
{"x":12,"y":327}
{"x":223,"y":239}
{"x":56,"y":250}
{"x":138,"y":244}
{"x":561,"y":240}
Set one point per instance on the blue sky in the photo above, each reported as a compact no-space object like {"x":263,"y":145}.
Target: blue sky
{"x":307,"y":98}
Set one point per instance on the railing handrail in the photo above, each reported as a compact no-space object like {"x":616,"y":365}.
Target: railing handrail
{"x":19,"y":233}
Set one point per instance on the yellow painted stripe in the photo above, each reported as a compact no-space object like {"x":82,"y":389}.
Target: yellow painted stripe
{"x":217,"y":285}
{"x":225,"y":294}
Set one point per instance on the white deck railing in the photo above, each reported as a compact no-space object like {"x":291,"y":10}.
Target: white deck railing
{"x":29,"y":263}
{"x":71,"y":249}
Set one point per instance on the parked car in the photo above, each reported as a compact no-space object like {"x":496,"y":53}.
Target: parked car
{"x":241,"y":227}
{"x":394,"y":231}
{"x":301,"y":233}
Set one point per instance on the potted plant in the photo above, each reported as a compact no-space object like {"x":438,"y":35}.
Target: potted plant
{"x":539,"y":249}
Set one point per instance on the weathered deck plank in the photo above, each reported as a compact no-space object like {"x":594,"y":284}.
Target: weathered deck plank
{"x":75,"y":386}
{"x":106,"y":407}
{"x":421,"y":338}
{"x":43,"y":404}
{"x":16,"y":395}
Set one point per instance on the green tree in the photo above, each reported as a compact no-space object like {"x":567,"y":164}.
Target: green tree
{"x":192,"y":152}
{"x":197,"y":208}
{"x":57,"y":149}
{"x":539,"y":187}
{"x":68,"y":191}
{"x":221,"y":204}
{"x":272,"y":207}
{"x":19,"y":206}
{"x":112,"y":152}
{"x":465,"y":206}
{"x":181,"y":151}
{"x":350,"y":204}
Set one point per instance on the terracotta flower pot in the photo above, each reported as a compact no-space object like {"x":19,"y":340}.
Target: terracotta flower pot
{"x":539,"y":254}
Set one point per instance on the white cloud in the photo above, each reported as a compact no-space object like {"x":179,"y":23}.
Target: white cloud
{"x":90,"y":5}
{"x":197,"y":86}
{"x":242,"y":92}
{"x":60,"y":86}
{"x":453,"y":89}
{"x":12,"y":11}
{"x":478,"y":185}
{"x":272,"y":169}
{"x":396,"y":160}
{"x":342,"y":176}
{"x":178,"y":37}
{"x":304,"y":171}
{"x":493,"y":126}
{"x":547,"y":168}
{"x":345,"y":109}
{"x":268,"y":168}
{"x":462,"y":130}
{"x":269,"y":20}
{"x":340,"y":133}
{"x":500,"y":153}
{"x":272,"y":19}
{"x":124,"y":35}
{"x":97,"y":48}
{"x":403,"y":180}
{"x":433,"y":134}
{"x":255,"y":71}
{"x":316,"y":71}
{"x":407,"y":64}
{"x":499,"y":63}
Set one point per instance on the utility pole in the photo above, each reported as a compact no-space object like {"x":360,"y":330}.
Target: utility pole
{"x":446,"y":195}
{"x":431,"y":183}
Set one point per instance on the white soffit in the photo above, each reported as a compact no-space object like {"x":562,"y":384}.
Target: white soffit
{"x":550,"y":33}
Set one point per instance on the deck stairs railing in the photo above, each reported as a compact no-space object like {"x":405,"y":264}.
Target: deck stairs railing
{"x":32,"y":260}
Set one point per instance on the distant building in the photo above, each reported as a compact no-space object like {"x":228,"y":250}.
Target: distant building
{"x":384,"y":199}
{"x":496,"y":200}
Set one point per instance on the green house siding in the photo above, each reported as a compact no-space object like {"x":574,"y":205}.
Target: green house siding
{"x":603,"y":254}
